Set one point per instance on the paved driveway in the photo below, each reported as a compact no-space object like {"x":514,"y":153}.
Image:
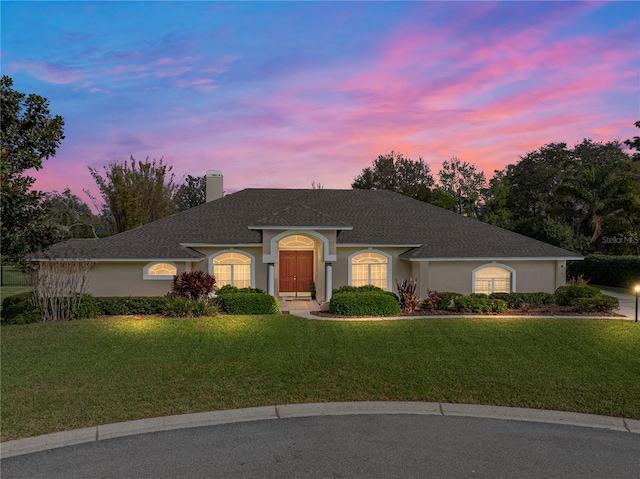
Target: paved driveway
{"x":627,"y":303}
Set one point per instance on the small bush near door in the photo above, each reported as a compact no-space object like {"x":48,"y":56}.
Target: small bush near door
{"x":247,"y":303}
{"x":374,"y":303}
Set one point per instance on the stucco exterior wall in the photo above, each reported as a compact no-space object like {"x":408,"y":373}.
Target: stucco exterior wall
{"x":126,"y":279}
{"x":457,"y":276}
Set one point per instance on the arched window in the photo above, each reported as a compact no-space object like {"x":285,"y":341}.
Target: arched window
{"x":233,"y":269}
{"x":369,"y":268}
{"x":159,"y":271}
{"x":493,"y":279}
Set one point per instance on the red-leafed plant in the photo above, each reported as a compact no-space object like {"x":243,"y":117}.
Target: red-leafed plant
{"x":193,"y":284}
{"x":432,"y":300}
{"x":409,"y":300}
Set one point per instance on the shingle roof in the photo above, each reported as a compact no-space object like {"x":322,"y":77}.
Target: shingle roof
{"x":298,"y":216}
{"x":377,"y":217}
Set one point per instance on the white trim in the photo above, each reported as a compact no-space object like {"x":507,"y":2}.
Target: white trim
{"x":123,"y":260}
{"x":150,"y":277}
{"x":491,"y":265}
{"x":237,"y":251}
{"x":302,"y":228}
{"x":501,"y":258}
{"x":273,"y":245}
{"x":371,"y":250}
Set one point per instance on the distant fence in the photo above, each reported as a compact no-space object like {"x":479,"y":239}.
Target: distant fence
{"x":12,"y":276}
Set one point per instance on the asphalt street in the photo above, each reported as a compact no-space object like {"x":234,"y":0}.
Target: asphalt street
{"x":347,"y":446}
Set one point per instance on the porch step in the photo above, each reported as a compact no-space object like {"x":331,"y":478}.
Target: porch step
{"x":292,"y":305}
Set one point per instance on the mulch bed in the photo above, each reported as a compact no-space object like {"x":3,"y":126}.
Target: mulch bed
{"x":547,"y":311}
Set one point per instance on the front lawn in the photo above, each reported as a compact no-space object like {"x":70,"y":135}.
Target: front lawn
{"x":59,"y":376}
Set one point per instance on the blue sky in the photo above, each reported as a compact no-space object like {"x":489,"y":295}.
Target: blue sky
{"x":280,"y":94}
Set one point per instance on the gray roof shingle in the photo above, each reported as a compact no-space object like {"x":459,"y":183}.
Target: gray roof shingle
{"x":377,"y":217}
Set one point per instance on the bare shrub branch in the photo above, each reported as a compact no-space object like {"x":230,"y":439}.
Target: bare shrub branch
{"x":60,"y":287}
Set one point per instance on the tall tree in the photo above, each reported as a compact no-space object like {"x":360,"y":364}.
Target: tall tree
{"x":30,"y":134}
{"x":136,"y":192}
{"x":534,"y":180}
{"x":396,"y":173}
{"x":465,"y":183}
{"x":591,"y":180}
{"x":70,"y":216}
{"x":495,"y":209}
{"x":634,"y":143}
{"x":191,"y":193}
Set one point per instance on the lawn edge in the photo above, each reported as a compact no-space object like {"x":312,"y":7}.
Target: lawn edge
{"x":34,"y":444}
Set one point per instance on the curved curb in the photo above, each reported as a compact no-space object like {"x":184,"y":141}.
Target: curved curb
{"x":167,"y":423}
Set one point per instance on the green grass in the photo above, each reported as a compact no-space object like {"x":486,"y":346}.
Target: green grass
{"x":59,"y":376}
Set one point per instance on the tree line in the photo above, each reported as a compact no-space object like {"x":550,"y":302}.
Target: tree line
{"x":133,"y":192}
{"x":585,"y":198}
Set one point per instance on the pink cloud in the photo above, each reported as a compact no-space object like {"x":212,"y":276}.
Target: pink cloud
{"x":48,"y":72}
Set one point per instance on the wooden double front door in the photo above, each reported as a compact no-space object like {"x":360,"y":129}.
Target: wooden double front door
{"x":296,"y":271}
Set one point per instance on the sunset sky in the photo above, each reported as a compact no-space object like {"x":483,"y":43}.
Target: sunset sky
{"x":280,"y":94}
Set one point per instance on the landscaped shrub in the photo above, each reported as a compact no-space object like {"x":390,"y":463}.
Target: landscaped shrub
{"x":129,"y":305}
{"x":522,"y":300}
{"x":193,"y":284}
{"x":248,"y":303}
{"x":409,"y":300}
{"x":597,"y":304}
{"x":346,"y":289}
{"x":20,"y":309}
{"x":446,"y":301}
{"x":89,"y":307}
{"x":179,"y":307}
{"x":474,"y":304}
{"x":566,"y":295}
{"x":227,"y":288}
{"x":620,"y":271}
{"x":431,"y":302}
{"x":372,"y":303}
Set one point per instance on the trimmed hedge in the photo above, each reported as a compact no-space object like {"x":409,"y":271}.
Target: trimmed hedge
{"x":566,"y":295}
{"x":605,"y":270}
{"x":520,"y":300}
{"x":447,"y":300}
{"x":366,"y":303}
{"x":597,"y":304}
{"x":227,"y":288}
{"x":129,"y":305}
{"x":479,"y":304}
{"x":248,"y":303}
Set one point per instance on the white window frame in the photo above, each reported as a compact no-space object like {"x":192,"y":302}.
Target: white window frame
{"x":252,"y":265}
{"x":376,"y":251}
{"x":156,"y":277}
{"x":494,"y":265}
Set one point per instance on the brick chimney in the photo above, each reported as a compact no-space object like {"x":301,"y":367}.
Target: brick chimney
{"x":214,"y":185}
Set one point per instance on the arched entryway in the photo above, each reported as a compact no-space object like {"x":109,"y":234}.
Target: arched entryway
{"x":296,"y":265}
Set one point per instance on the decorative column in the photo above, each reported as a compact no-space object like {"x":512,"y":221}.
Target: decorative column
{"x":271,"y":279}
{"x":328,"y":281}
